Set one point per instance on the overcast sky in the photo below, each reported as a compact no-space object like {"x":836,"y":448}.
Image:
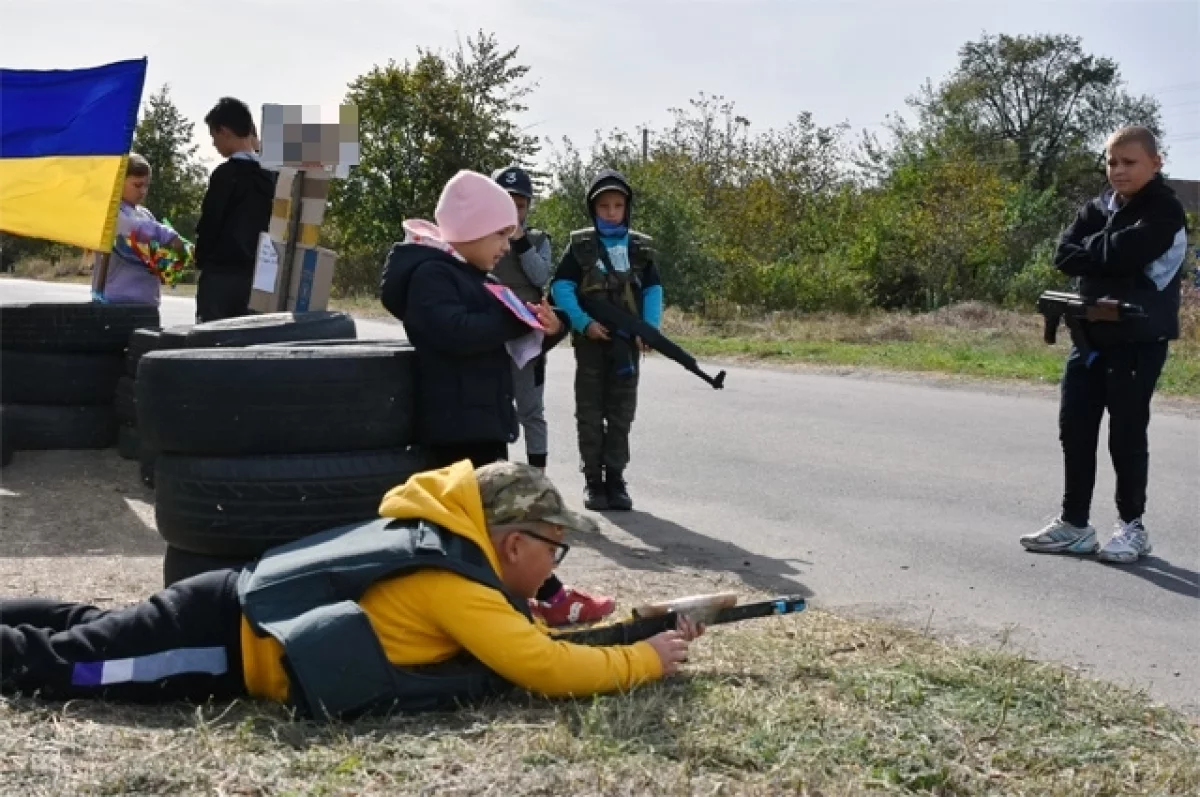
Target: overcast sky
{"x":601,"y":64}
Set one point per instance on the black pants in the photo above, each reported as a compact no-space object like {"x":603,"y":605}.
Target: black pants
{"x":482,"y":454}
{"x":222,"y":295}
{"x":181,"y":644}
{"x":1121,"y":380}
{"x":606,"y":383}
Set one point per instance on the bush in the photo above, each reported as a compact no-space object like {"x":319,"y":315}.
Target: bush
{"x":1038,"y":274}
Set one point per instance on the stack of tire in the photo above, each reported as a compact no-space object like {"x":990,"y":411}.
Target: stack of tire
{"x":237,"y":332}
{"x":59,"y":368}
{"x":129,"y":442}
{"x":259,"y":446}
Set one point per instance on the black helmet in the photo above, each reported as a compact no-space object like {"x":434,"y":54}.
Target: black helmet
{"x":514,"y":180}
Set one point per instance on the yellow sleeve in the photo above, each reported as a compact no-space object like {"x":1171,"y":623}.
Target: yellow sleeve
{"x":486,"y":626}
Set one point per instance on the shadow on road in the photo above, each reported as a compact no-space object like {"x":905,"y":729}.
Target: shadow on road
{"x":1162,"y":573}
{"x":75,"y":503}
{"x":680,"y":546}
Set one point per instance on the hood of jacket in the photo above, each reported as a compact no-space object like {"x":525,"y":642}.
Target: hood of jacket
{"x":448,"y":497}
{"x":605,"y":179}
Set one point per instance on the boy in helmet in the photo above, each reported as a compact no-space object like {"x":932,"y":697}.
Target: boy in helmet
{"x":610,"y":262}
{"x":525,"y":268}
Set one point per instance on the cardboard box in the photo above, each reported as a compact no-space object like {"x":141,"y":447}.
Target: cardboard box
{"x":312,"y":277}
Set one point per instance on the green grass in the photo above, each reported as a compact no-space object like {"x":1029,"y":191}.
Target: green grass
{"x":1181,"y":376}
{"x":967,"y":340}
{"x":807,"y":705}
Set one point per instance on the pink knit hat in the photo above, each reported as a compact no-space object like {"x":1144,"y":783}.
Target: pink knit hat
{"x":470,"y":207}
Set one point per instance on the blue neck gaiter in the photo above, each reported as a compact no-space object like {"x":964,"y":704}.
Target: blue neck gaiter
{"x":609,"y":230}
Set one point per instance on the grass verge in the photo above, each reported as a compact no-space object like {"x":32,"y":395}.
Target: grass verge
{"x":807,"y":705}
{"x":969,"y":340}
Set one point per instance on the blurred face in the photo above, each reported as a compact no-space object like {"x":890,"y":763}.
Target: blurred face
{"x":484,"y":253}
{"x":610,"y":206}
{"x":522,"y":204}
{"x":135,"y":189}
{"x":1130,"y":167}
{"x":224,"y":141}
{"x":528,"y":553}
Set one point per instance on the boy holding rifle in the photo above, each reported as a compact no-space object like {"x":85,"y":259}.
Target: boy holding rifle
{"x":423,"y":609}
{"x":1127,"y":245}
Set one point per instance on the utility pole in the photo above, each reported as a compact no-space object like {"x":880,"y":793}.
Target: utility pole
{"x":645,"y":144}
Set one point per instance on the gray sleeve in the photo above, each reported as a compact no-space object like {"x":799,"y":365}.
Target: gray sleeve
{"x":536,"y":263}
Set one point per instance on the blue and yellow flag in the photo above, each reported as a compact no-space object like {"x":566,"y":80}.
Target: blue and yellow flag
{"x":65,"y":137}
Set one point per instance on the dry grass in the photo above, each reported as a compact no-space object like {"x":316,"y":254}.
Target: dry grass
{"x":66,"y":269}
{"x":970,"y":339}
{"x":813,"y":704}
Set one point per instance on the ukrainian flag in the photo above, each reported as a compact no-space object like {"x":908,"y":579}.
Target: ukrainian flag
{"x":65,"y":137}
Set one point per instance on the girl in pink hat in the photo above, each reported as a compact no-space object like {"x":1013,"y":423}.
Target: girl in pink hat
{"x":466,"y":329}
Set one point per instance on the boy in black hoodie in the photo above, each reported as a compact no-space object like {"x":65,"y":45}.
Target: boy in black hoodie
{"x":236,"y":208}
{"x":467,"y":329}
{"x":1128,"y":244}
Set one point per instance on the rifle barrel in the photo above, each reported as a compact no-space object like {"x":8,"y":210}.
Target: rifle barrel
{"x":630,"y":631}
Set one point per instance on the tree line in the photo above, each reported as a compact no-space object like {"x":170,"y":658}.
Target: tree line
{"x":962,"y":202}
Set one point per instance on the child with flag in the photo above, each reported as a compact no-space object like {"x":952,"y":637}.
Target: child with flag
{"x":128,"y":279}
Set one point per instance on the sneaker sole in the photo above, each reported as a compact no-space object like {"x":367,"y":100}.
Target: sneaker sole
{"x":1123,"y":558}
{"x":1059,"y":548}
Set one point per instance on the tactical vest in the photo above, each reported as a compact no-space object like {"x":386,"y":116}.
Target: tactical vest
{"x":597,"y":277}
{"x":509,"y":272}
{"x":305,"y":593}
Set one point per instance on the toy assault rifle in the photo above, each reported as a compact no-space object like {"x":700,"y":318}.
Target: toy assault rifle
{"x":1075,"y":311}
{"x":617,"y":320}
{"x":713,"y":609}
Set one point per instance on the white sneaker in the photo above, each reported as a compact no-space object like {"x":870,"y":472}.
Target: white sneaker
{"x":1128,"y":543}
{"x":1062,"y":537}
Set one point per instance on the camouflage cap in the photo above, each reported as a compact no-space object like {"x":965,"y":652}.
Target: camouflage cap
{"x":513,"y":492}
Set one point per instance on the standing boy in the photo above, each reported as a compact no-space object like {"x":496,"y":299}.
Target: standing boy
{"x":236,"y":208}
{"x":1127,"y":244}
{"x":607,"y":262}
{"x":525,"y":268}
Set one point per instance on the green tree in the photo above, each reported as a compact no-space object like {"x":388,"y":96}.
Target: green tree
{"x":419,"y":124}
{"x":1037,"y":106}
{"x":164,"y":137}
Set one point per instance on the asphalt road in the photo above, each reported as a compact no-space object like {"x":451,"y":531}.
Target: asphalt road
{"x":889,"y":498}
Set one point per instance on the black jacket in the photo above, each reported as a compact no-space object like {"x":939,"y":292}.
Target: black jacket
{"x":1109,"y":252}
{"x":458,"y":329}
{"x":236,"y":208}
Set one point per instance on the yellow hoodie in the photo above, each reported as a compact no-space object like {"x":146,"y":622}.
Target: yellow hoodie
{"x":432,"y":615}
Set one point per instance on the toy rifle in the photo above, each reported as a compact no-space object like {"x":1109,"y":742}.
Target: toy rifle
{"x":618,"y":320}
{"x":712,"y":609}
{"x":1075,"y":311}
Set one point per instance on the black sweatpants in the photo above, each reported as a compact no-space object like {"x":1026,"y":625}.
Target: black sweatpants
{"x":222,"y":295}
{"x":482,"y":454}
{"x":1121,"y":380}
{"x":183,"y":643}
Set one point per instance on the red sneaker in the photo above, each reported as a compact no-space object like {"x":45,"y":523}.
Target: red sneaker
{"x":574,"y":606}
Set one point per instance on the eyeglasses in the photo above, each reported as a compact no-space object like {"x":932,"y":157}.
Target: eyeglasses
{"x":560,"y":548}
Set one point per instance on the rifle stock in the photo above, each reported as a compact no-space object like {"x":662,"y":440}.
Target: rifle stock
{"x":638,"y":629}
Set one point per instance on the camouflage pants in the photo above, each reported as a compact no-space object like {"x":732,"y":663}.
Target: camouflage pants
{"x":605,"y":404}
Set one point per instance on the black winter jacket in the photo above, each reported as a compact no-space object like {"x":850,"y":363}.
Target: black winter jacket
{"x":1109,"y":252}
{"x":458,"y":329}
